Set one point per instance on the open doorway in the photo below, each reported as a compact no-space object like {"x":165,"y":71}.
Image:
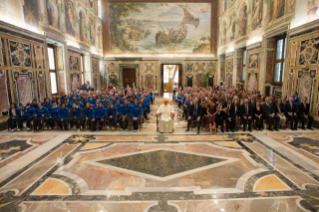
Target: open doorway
{"x":171,"y":77}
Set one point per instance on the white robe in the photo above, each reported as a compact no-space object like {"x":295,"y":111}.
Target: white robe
{"x":166,"y":123}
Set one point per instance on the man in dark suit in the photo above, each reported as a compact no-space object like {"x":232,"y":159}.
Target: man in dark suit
{"x":246,"y":114}
{"x":303,"y":113}
{"x":291,"y":113}
{"x":269,"y":114}
{"x":230,"y":116}
{"x":194,"y":113}
{"x":221,"y":114}
{"x":216,"y":87}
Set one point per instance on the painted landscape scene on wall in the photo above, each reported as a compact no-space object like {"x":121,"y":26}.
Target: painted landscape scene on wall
{"x":160,"y":27}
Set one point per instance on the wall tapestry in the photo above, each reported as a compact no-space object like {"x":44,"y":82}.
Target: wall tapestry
{"x":160,"y":27}
{"x":306,"y":86}
{"x":20,"y":54}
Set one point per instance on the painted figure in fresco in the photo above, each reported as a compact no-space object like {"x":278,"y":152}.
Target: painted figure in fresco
{"x":70,"y":20}
{"x":257,"y":13}
{"x":92,"y":31}
{"x":83,"y":28}
{"x":224,"y":33}
{"x":243,"y":20}
{"x":91,"y":3}
{"x":100,"y":36}
{"x":53,"y":13}
{"x":278,"y":9}
{"x":233,"y":28}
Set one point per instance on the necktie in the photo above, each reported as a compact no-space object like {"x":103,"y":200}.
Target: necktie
{"x":290,"y":106}
{"x":246,"y":110}
{"x":195,"y":111}
{"x":304,"y":105}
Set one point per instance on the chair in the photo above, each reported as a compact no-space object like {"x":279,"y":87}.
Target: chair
{"x":159,"y":103}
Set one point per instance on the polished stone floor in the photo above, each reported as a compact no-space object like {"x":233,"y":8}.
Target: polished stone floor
{"x":111,"y":171}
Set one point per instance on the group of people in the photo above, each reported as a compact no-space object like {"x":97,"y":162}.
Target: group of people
{"x":219,"y":106}
{"x":84,"y":108}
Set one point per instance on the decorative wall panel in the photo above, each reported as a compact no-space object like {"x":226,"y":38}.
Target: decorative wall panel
{"x":5,"y":97}
{"x":149,"y":75}
{"x":96,"y":66}
{"x":61,"y":80}
{"x":3,"y":59}
{"x":41,"y":84}
{"x":23,"y":86}
{"x":309,"y":52}
{"x":199,"y":80}
{"x":149,"y":81}
{"x":96,"y":80}
{"x":229,"y":80}
{"x":229,"y":64}
{"x":291,"y":82}
{"x":293,"y":54}
{"x":39,"y":61}
{"x":20,"y":54}
{"x":307,"y":84}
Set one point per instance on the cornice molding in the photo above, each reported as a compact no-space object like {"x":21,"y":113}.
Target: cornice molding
{"x":254,"y":45}
{"x":304,"y":28}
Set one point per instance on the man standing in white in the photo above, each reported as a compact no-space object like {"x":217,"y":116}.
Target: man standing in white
{"x":166,"y":114}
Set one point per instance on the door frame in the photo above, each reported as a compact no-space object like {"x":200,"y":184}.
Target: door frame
{"x":137,"y":73}
{"x":180,"y":77}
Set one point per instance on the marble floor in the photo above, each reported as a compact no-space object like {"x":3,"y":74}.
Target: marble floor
{"x":112,"y":171}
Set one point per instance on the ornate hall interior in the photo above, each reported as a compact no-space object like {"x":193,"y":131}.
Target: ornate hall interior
{"x":169,"y":75}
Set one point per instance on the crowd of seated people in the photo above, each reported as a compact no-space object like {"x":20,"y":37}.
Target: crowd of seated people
{"x":84,"y":109}
{"x":233,"y":107}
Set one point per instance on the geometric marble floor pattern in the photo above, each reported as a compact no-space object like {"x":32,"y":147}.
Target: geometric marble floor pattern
{"x":262,"y":172}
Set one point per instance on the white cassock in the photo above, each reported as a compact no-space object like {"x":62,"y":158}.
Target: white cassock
{"x":165,"y":122}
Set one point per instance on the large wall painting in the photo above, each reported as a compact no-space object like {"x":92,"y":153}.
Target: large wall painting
{"x":160,"y":27}
{"x":23,"y":86}
{"x":243,"y":19}
{"x":257,"y":16}
{"x":291,"y":82}
{"x":5,"y":97}
{"x":233,"y":27}
{"x":3,"y":60}
{"x":70,"y":18}
{"x":309,"y":51}
{"x":20,"y":54}
{"x":92,"y":30}
{"x":83,"y":27}
{"x":276,"y":9}
{"x":31,"y":13}
{"x":54,"y":13}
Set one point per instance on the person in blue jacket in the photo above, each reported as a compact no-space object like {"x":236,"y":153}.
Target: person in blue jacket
{"x":34,"y":103}
{"x":28,"y":112}
{"x":47,"y":104}
{"x":147,"y":100}
{"x":80,"y":103}
{"x":136,"y":111}
{"x":40,"y":114}
{"x":87,"y":115}
{"x":15,"y":114}
{"x":63,"y":116}
{"x":54,"y":114}
{"x":76,"y":113}
{"x":68,"y":104}
{"x":98,"y":116}
{"x":111,"y":114}
{"x":125,"y":114}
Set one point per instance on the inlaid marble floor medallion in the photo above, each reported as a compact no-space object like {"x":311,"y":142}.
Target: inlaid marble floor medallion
{"x":161,"y":173}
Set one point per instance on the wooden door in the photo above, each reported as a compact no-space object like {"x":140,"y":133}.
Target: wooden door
{"x":129,"y":77}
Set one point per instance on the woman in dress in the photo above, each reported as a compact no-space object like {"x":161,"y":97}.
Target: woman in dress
{"x":211,"y":116}
{"x":258,"y":113}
